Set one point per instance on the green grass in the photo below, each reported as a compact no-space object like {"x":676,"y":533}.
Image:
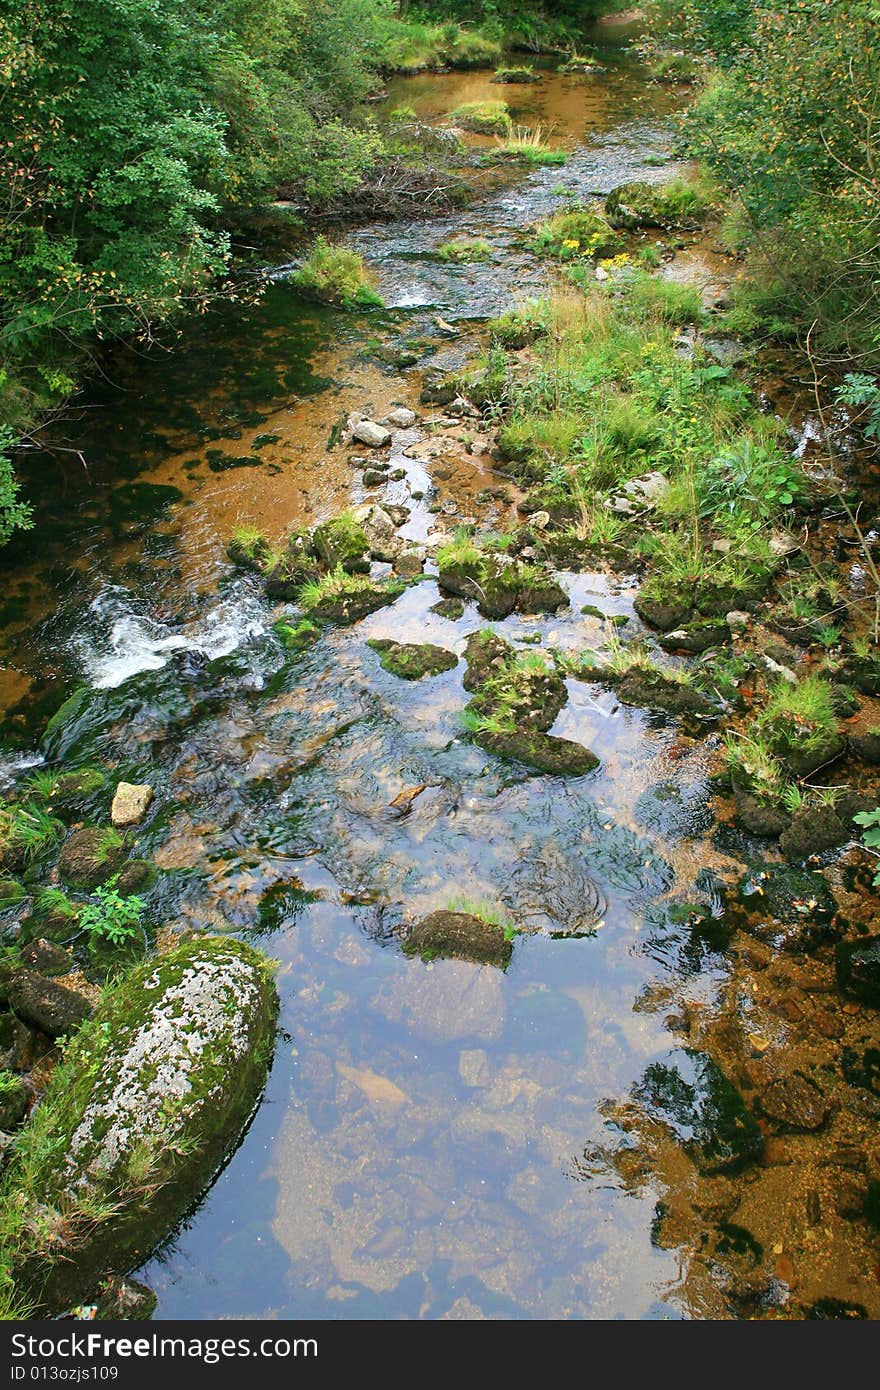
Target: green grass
{"x":529,"y":144}
{"x":334,"y":585}
{"x":418,"y":44}
{"x":27,"y":832}
{"x":754,"y":766}
{"x":336,"y":275}
{"x":664,"y":300}
{"x":807,"y":705}
{"x":460,"y":552}
{"x":482,"y":117}
{"x":490,"y":913}
{"x":464,"y":251}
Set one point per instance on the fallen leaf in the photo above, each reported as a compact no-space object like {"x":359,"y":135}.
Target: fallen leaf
{"x":402,"y":802}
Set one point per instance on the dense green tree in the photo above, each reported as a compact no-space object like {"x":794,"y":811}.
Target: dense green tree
{"x":789,"y":123}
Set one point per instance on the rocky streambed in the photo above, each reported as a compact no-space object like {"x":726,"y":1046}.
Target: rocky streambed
{"x":578,"y":1018}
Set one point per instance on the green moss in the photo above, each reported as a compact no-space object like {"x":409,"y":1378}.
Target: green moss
{"x":413,"y":661}
{"x":297,"y":638}
{"x":342,"y":541}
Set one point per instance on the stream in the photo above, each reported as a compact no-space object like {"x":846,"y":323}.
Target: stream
{"x":426,"y":1144}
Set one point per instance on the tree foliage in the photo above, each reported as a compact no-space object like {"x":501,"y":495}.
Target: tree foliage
{"x":791,"y":122}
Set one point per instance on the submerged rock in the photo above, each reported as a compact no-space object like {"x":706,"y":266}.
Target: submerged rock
{"x":459,"y":934}
{"x":451,"y":608}
{"x":90,"y":856}
{"x":130,"y":804}
{"x":151,"y":1097}
{"x":411,"y":661}
{"x":795,"y":1102}
{"x":789,"y":908}
{"x":690,"y":1093}
{"x":858,"y":969}
{"x":125,"y":1300}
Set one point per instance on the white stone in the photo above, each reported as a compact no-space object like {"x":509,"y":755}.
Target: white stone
{"x":369,"y":433}
{"x":783,"y":543}
{"x":401,"y":418}
{"x":130,"y":804}
{"x":737,"y":620}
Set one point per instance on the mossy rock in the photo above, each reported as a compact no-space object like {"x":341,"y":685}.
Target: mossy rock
{"x":15,"y":1096}
{"x":11,"y":893}
{"x":438,"y":388}
{"x":664,"y":606}
{"x":288,"y":573}
{"x":714,"y":598}
{"x":792,"y":909}
{"x":558,"y":757}
{"x":151,"y":1097}
{"x":249,"y":551}
{"x":55,"y":917}
{"x":541,"y":595}
{"x":757,"y":816}
{"x":53,"y":740}
{"x":450,"y":608}
{"x":812,"y":831}
{"x":344,"y":609}
{"x":44,"y":1004}
{"x":412,"y":661}
{"x":341,"y":541}
{"x":76,"y":793}
{"x":296,"y":638}
{"x":485,"y":653}
{"x":641,"y":204}
{"x":459,"y":934}
{"x":867,"y":746}
{"x":858,"y":969}
{"x":650,"y":689}
{"x":697,"y":636}
{"x":90,"y":856}
{"x":137,"y":876}
{"x":690,"y":1093}
{"x":803,"y":754}
{"x":864,"y":673}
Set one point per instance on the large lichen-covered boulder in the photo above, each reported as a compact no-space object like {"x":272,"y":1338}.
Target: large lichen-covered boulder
{"x":150,"y":1098}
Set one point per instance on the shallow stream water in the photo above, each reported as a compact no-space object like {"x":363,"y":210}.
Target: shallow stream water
{"x":423,"y":1146}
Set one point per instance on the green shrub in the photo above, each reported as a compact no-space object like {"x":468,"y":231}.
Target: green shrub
{"x":111,"y":918}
